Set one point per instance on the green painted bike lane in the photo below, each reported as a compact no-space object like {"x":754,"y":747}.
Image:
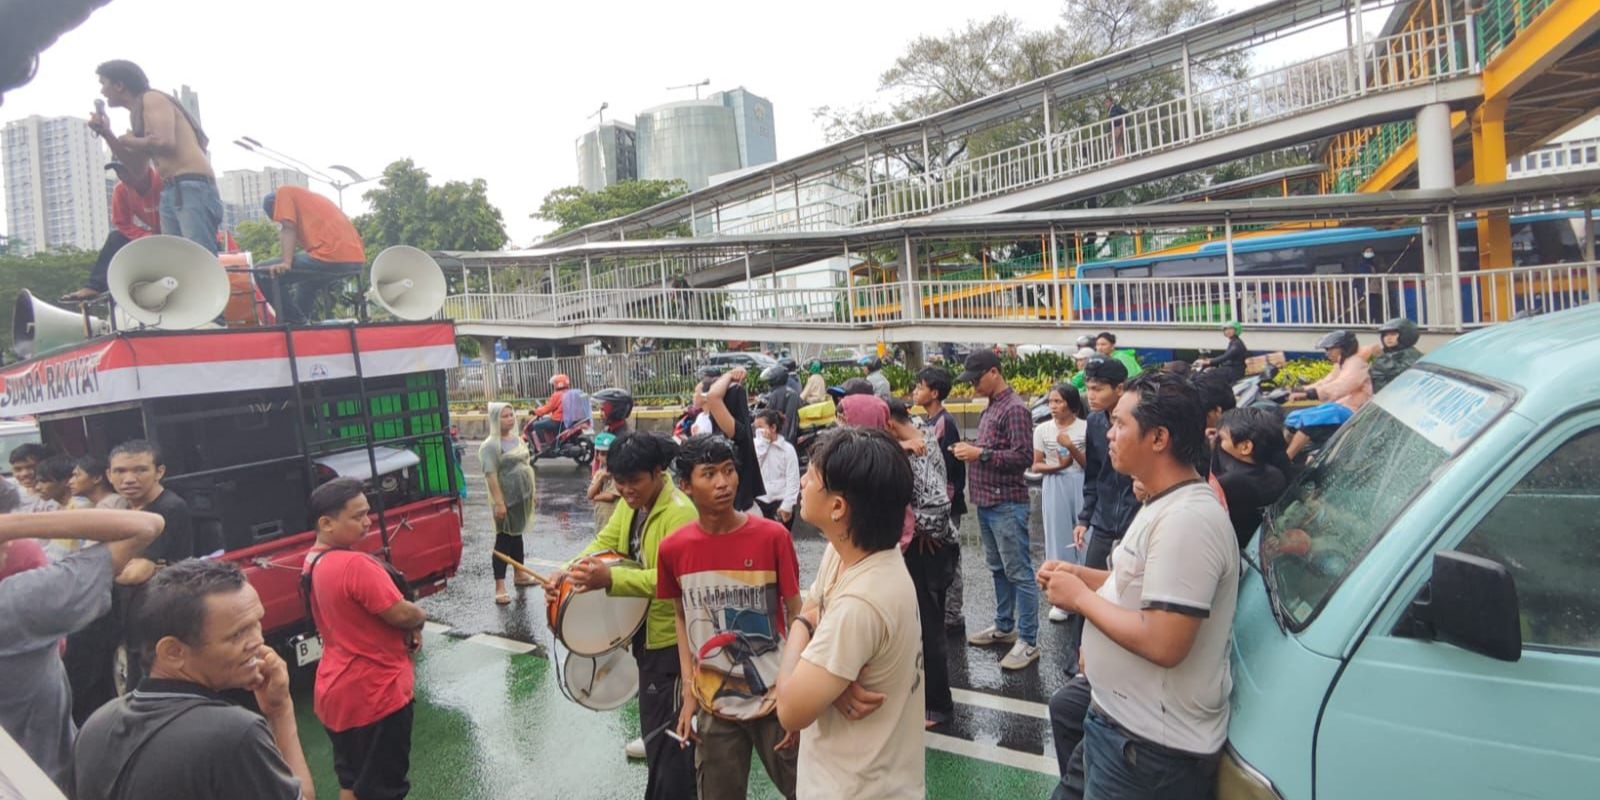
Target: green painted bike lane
{"x":492,"y":724}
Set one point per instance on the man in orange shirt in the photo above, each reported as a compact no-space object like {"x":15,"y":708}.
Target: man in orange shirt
{"x":320,"y":247}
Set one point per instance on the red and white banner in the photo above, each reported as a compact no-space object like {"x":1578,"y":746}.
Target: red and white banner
{"x":143,"y":365}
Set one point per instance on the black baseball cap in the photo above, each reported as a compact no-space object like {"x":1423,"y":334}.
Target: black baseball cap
{"x":978,"y":363}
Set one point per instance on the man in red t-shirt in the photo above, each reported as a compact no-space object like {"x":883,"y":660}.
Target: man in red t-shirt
{"x":735,"y":582}
{"x":365,"y":682}
{"x":319,"y":247}
{"x":135,"y":214}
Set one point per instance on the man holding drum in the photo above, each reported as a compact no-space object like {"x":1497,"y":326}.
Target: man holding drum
{"x":652,"y":509}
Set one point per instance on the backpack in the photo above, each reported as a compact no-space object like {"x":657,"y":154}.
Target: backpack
{"x":395,"y":575}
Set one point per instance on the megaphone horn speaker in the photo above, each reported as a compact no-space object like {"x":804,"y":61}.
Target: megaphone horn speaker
{"x":168,"y":282}
{"x":407,"y":283}
{"x":38,"y":327}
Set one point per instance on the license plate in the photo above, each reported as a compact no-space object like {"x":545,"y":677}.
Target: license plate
{"x":307,"y":649}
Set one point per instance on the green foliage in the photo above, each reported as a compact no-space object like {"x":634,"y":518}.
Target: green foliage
{"x":1045,"y":364}
{"x":574,"y":207}
{"x":406,"y":209}
{"x":48,"y":275}
{"x":259,"y":238}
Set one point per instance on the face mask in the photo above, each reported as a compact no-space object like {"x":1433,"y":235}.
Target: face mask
{"x":1367,"y":254}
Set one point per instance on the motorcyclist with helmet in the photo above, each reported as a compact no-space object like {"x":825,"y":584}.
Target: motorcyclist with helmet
{"x":615,"y":407}
{"x":1230,"y":364}
{"x":816,"y":389}
{"x":546,"y":424}
{"x":793,"y":368}
{"x":1343,"y":392}
{"x":1396,"y":352}
{"x":782,"y":398}
{"x":875,"y":376}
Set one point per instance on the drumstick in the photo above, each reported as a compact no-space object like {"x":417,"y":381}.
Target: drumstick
{"x":522,"y":568}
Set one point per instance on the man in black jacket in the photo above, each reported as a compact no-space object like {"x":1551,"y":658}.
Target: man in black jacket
{"x":1230,"y":364}
{"x":1108,"y":501}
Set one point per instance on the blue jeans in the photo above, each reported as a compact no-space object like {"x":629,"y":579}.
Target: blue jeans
{"x":1117,"y":766}
{"x":301,"y":284}
{"x":192,"y":209}
{"x":1004,"y":530}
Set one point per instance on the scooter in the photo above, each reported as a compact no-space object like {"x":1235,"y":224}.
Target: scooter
{"x":576,"y":443}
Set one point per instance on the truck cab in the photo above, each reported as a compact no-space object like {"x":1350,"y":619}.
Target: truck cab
{"x":1420,"y":613}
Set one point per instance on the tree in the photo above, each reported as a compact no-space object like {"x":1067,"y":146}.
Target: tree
{"x":257,"y":237}
{"x":456,"y":215}
{"x":47,"y":275}
{"x":574,"y":207}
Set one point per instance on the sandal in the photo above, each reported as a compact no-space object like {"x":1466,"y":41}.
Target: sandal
{"x":502,"y":599}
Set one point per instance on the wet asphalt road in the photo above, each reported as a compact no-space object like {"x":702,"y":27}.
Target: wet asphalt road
{"x":564,"y":524}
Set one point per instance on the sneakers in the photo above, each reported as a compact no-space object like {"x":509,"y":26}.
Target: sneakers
{"x":1022,"y":654}
{"x":635,"y":749}
{"x":991,"y":636}
{"x":1057,"y":615}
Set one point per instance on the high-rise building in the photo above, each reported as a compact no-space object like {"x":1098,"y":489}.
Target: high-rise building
{"x":58,"y":192}
{"x":190,"y":100}
{"x":607,"y":155}
{"x":752,"y":121}
{"x":689,"y":140}
{"x":242,"y":191}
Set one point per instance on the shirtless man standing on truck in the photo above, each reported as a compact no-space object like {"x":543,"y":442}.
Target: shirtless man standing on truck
{"x":163,"y":131}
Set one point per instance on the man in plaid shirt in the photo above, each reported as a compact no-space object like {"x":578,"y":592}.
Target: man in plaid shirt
{"x":995,"y":466}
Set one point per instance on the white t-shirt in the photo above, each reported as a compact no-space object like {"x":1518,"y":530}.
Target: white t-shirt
{"x":1180,"y":554}
{"x":1044,"y":441}
{"x":868,"y":632}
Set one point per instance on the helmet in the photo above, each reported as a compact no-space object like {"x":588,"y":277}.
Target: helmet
{"x":775,"y":376}
{"x":1234,"y":326}
{"x":872,"y":363}
{"x":1085,"y":341}
{"x":1343,"y":341}
{"x":789,"y":364}
{"x":560,"y":381}
{"x":1409,"y":334}
{"x":814,"y":367}
{"x":602,"y":441}
{"x":615,"y":405}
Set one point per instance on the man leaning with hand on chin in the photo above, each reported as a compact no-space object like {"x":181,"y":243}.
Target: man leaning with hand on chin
{"x":198,"y":630}
{"x":1156,"y":646}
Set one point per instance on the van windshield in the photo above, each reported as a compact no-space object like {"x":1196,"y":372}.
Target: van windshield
{"x":1345,"y":501}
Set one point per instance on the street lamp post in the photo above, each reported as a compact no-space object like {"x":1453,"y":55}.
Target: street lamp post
{"x":255,"y":146}
{"x":599,"y":117}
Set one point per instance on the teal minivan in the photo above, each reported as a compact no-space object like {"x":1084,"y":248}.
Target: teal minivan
{"x":1420,"y":614}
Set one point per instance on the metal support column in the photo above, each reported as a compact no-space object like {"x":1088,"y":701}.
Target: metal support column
{"x":1452,"y":306}
{"x":1450,"y":37}
{"x":1055,"y":278}
{"x":692,"y":229}
{"x":716,"y":228}
{"x":1233,"y":284}
{"x":1360,"y":50}
{"x":1350,"y":47}
{"x":849,"y":287}
{"x":1049,"y":146}
{"x":1191,"y":130}
{"x":866,"y":167}
{"x":1588,"y":232}
{"x":797,"y":224}
{"x":588,"y":290}
{"x":772,"y":184}
{"x":927,"y":173}
{"x":911,"y":302}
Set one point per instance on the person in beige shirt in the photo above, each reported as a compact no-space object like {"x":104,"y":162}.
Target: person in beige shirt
{"x":851,"y":679}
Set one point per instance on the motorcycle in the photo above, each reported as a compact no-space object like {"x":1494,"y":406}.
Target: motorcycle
{"x":576,"y":443}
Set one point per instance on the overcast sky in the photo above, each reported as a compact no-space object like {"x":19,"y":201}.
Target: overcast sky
{"x":480,"y":89}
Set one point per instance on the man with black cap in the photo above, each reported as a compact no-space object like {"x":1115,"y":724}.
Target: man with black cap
{"x":995,"y":466}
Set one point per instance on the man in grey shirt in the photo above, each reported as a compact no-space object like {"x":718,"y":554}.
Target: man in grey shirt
{"x":41,"y":606}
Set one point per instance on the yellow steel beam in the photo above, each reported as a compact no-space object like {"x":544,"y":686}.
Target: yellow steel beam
{"x":1559,"y":28}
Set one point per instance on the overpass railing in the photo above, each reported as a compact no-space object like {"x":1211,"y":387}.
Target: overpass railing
{"x":1437,"y":302}
{"x":1410,"y":58}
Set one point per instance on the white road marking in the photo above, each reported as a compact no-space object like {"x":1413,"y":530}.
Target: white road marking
{"x":996,"y":702}
{"x":502,"y":643}
{"x":991,"y":753}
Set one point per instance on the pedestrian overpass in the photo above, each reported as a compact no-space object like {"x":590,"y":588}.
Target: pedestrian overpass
{"x":873,"y":198}
{"x":1281,"y":311}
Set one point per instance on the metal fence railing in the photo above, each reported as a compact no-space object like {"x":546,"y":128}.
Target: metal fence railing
{"x":652,"y":374}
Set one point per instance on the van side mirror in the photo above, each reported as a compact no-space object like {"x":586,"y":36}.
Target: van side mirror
{"x":1470,"y":602}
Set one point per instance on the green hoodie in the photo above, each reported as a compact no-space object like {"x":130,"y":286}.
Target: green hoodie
{"x":672,"y":510}
{"x":1391,"y":362}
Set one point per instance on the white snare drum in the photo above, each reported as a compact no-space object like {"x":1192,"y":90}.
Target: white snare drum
{"x":601,"y":683}
{"x":594,"y":623}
